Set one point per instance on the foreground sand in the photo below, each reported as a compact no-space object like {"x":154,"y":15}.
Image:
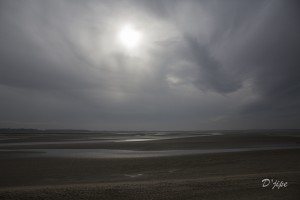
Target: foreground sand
{"x":207,"y":176}
{"x":244,"y":187}
{"x":215,"y":176}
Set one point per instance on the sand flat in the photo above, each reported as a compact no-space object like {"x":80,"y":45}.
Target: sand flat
{"x":216,"y":175}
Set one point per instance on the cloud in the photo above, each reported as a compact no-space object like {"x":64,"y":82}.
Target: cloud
{"x":203,"y":64}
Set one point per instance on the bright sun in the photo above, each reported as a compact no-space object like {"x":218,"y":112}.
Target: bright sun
{"x":129,"y":36}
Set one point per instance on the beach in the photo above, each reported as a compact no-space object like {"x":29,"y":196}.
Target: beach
{"x":93,"y":172}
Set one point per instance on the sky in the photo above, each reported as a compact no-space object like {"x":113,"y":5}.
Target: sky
{"x":206,"y":64}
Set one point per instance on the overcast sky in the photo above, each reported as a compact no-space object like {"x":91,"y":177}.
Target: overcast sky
{"x":208,"y":64}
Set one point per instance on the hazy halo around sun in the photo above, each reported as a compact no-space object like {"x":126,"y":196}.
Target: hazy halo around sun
{"x":129,"y":36}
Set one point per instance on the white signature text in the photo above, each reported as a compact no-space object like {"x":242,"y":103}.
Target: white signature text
{"x":274,"y":183}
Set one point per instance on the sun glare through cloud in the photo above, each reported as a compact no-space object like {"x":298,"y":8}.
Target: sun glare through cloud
{"x":129,"y":36}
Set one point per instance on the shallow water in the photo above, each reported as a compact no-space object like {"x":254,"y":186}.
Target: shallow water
{"x":112,"y":153}
{"x":115,"y":137}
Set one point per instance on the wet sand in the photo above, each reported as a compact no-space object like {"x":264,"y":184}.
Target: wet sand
{"x":230,"y":175}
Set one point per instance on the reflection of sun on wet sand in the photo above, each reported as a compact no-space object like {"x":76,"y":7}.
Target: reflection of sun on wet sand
{"x":133,"y":175}
{"x":215,"y":175}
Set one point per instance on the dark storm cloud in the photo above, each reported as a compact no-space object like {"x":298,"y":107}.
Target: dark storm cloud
{"x":271,"y":57}
{"x":211,"y":76}
{"x":205,"y":64}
